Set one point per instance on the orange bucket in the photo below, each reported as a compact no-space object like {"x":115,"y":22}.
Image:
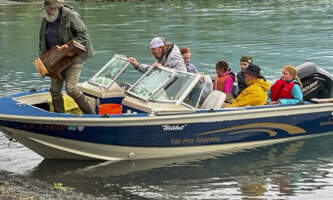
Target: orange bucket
{"x":110,"y":108}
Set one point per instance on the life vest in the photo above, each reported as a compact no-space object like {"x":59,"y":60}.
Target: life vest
{"x":282,"y":90}
{"x":219,"y":81}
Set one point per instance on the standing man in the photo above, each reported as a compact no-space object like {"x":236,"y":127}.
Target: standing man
{"x":60,"y":25}
{"x":167,"y":54}
{"x":244,"y":63}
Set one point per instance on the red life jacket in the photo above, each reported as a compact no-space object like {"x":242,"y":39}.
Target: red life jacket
{"x":219,"y":82}
{"x":282,"y":90}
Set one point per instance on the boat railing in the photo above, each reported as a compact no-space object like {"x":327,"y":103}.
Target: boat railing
{"x":159,"y":112}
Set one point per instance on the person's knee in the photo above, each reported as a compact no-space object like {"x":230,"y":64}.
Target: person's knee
{"x":73,"y":91}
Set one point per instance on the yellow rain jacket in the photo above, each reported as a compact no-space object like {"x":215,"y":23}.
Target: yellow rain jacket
{"x":254,"y":95}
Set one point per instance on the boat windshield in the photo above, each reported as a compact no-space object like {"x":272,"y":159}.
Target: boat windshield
{"x":107,"y":75}
{"x":160,"y":84}
{"x":199,"y":93}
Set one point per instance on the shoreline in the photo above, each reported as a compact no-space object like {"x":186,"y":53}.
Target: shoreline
{"x":20,"y":187}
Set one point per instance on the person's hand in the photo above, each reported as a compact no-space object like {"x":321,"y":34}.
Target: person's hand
{"x":133,"y":61}
{"x":273,"y":102}
{"x":156,"y":64}
{"x":62,"y":47}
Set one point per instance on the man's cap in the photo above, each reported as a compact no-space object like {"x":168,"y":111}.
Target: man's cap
{"x":52,"y":3}
{"x":157,"y":42}
{"x":246,"y":58}
{"x":253,"y":69}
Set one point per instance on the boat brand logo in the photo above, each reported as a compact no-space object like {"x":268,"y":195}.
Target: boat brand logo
{"x":328,"y":122}
{"x":309,"y":88}
{"x":175,"y":127}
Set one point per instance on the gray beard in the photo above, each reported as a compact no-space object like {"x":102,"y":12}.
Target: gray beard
{"x":51,"y":18}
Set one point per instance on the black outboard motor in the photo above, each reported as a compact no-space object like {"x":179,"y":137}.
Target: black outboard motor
{"x":317,"y":83}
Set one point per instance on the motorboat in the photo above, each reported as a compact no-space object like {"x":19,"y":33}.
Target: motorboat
{"x":161,"y":113}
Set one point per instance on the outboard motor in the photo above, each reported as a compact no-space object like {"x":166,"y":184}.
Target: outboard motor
{"x":317,"y":83}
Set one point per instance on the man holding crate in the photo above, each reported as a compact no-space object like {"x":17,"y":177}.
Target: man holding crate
{"x":60,"y":25}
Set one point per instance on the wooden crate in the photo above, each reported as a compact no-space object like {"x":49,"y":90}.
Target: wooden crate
{"x":55,"y":60}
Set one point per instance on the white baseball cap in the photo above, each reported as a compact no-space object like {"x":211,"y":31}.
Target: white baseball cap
{"x":156,"y":42}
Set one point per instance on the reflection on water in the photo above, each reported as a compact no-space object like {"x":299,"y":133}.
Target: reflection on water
{"x":15,"y":157}
{"x":18,"y":81}
{"x":285,"y":171}
{"x":274,"y":32}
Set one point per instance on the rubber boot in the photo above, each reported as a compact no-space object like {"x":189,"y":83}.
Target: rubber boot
{"x":84,"y":105}
{"x":58,"y":104}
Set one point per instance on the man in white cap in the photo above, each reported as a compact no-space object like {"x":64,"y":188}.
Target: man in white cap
{"x":167,"y":54}
{"x":60,"y":25}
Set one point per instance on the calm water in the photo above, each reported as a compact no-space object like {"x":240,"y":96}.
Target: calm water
{"x":275,"y":33}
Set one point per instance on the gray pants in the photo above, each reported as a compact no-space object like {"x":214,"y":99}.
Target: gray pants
{"x":70,"y":76}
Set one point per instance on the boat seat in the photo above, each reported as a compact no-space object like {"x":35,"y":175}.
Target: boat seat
{"x":215,"y":99}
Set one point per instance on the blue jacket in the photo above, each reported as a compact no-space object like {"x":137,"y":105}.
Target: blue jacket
{"x":191,"y":68}
{"x":296,"y":92}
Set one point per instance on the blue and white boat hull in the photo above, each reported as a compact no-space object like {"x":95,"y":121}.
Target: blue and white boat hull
{"x":142,"y":135}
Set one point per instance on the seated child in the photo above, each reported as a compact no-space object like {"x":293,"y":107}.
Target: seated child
{"x":224,"y":79}
{"x":286,"y":90}
{"x":244,"y":63}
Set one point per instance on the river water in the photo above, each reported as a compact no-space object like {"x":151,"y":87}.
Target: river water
{"x":273,"y":32}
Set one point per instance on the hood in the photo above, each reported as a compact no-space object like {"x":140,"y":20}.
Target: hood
{"x":260,"y":83}
{"x":232,"y":75}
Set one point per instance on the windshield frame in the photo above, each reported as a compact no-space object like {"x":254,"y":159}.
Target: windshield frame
{"x":173,"y":73}
{"x":114,"y":78}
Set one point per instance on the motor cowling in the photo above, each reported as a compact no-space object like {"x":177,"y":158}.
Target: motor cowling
{"x":317,"y":83}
